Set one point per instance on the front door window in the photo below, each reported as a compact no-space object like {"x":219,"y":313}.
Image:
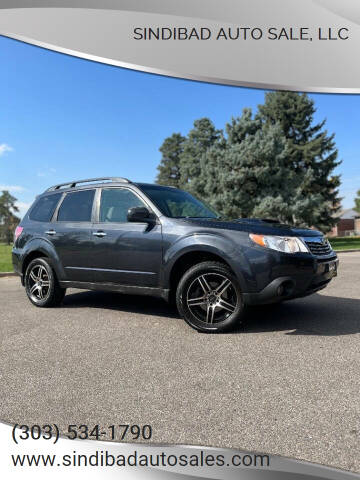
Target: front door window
{"x":115,"y":203}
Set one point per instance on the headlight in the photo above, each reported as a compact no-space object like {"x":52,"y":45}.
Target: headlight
{"x":281,"y":244}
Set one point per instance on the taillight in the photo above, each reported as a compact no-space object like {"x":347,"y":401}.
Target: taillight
{"x":18,"y":232}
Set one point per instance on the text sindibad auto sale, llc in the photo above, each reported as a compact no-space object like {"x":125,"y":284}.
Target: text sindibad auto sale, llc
{"x":241,"y":33}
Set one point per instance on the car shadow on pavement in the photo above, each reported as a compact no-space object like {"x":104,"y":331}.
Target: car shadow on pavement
{"x":315,"y":315}
{"x":123,"y":303}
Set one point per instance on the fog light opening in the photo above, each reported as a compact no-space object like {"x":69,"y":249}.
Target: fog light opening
{"x":285,"y":289}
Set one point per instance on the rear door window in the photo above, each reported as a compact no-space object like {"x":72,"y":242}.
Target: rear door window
{"x":44,"y":208}
{"x":77,"y":206}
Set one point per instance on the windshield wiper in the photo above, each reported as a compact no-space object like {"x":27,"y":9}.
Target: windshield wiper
{"x":188,"y":216}
{"x":213,"y":218}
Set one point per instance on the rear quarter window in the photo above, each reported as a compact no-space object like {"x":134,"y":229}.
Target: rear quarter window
{"x":44,"y":208}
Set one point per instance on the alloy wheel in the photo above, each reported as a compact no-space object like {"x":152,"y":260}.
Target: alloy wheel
{"x":38,"y":283}
{"x":212,"y":298}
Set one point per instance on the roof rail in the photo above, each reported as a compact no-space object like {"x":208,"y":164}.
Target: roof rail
{"x":73,"y":183}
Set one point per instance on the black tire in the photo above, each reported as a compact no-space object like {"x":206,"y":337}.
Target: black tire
{"x":201,"y":303}
{"x":41,"y":285}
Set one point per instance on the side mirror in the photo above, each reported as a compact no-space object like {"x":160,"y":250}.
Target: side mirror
{"x":139,"y":214}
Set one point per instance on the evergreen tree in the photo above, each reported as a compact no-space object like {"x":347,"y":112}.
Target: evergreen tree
{"x":8,"y":220}
{"x":311,"y":153}
{"x":241,"y":127}
{"x":203,"y":136}
{"x":169,"y":168}
{"x":277,"y":164}
{"x":357,"y":202}
{"x":251,"y":178}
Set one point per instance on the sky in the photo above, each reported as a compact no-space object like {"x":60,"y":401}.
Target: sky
{"x":63,"y":118}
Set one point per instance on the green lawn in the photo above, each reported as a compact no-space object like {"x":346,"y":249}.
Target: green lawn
{"x":345,"y":243}
{"x":339,"y":243}
{"x":5,"y":258}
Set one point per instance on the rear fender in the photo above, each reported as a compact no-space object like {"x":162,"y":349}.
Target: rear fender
{"x":47,"y":249}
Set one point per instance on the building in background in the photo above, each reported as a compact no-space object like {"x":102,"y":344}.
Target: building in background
{"x":348,"y":224}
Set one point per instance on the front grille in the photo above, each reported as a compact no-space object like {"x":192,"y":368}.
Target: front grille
{"x":319,"y":248}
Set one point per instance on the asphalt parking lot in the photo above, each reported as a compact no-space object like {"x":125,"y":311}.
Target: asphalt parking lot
{"x":287,"y":382}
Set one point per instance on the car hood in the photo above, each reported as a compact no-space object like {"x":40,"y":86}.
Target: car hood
{"x":253,"y":225}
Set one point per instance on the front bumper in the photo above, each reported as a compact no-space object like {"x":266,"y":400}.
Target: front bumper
{"x":298,"y":283}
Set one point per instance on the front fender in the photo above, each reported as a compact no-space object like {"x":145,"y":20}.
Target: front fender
{"x":212,"y":243}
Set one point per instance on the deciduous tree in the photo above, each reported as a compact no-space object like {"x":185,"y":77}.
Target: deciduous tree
{"x":357,"y":202}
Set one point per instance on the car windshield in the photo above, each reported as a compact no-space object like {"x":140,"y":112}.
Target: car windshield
{"x":176,"y":203}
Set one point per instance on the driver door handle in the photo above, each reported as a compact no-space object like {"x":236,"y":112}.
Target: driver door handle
{"x":50,"y":232}
{"x":99,"y":233}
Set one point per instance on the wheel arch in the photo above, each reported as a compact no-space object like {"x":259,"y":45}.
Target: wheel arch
{"x":190,"y":258}
{"x":41,"y":249}
{"x":30,"y":257}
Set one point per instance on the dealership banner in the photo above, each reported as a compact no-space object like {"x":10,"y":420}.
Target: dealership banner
{"x":307,"y":45}
{"x":37,"y":454}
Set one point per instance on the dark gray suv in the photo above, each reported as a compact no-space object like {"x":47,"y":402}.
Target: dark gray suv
{"x":113,"y":234}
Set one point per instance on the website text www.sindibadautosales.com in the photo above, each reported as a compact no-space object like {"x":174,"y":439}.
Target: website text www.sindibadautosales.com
{"x":103,"y":458}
